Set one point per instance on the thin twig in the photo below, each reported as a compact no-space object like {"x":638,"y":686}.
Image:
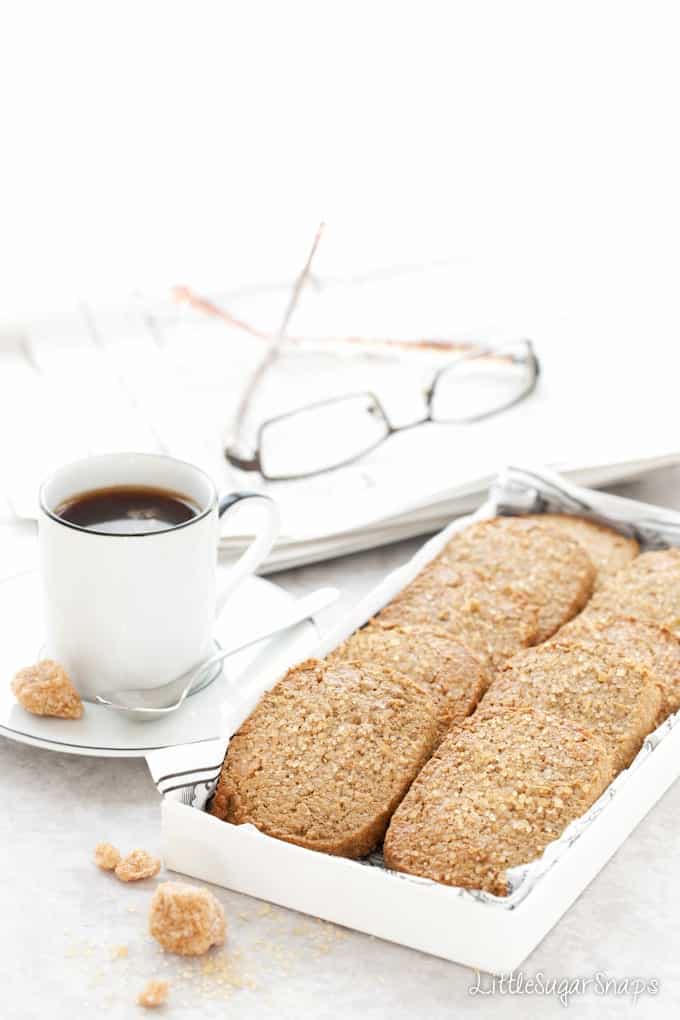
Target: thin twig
{"x":276,"y":341}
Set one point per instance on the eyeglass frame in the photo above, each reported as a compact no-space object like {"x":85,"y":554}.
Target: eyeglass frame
{"x":254,"y":463}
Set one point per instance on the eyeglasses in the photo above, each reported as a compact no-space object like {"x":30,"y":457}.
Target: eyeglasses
{"x":330,"y":434}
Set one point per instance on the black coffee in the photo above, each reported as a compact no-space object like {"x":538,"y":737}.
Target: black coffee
{"x":127,"y":510}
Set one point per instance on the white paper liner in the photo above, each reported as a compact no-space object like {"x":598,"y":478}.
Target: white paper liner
{"x":189,"y":773}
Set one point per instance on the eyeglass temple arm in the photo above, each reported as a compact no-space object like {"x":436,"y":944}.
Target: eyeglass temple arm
{"x":243,"y":463}
{"x":476,"y":350}
{"x":485,"y":354}
{"x":498,"y":354}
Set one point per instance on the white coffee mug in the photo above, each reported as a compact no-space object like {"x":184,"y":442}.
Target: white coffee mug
{"x":134,"y":610}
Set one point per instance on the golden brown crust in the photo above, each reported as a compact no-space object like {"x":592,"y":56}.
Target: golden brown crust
{"x":549,"y":568}
{"x":643,"y":644}
{"x":327,"y":755}
{"x":649,"y":589}
{"x":616,"y":699}
{"x":499,"y":789}
{"x":609,"y":550}
{"x":45,"y":689}
{"x":493,"y":621}
{"x":426,"y":655}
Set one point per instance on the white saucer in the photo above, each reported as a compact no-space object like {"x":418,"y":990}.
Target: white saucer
{"x":106,"y":734}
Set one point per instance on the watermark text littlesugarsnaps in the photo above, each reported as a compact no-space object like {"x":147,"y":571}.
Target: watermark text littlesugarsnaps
{"x":564,"y":989}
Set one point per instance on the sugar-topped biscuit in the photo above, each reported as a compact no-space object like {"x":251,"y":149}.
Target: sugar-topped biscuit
{"x":455,"y":677}
{"x":616,"y":699}
{"x":493,"y":621}
{"x":643,"y":644}
{"x":648,"y":589}
{"x":327,"y":754}
{"x":609,"y":550}
{"x":548,"y":567}
{"x":500,"y":788}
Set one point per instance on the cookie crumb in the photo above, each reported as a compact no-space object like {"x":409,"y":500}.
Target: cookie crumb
{"x":106,"y":856}
{"x":154,"y":994}
{"x":186,"y":919}
{"x":137,"y":865}
{"x":119,"y":952}
{"x":45,"y":689}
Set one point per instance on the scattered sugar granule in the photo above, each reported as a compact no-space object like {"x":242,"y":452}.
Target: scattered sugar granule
{"x":186,"y":919}
{"x":45,"y":689}
{"x":106,"y":856}
{"x":154,"y":994}
{"x":138,"y":864}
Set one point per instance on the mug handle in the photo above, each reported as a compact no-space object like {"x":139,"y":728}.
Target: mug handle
{"x":259,"y":548}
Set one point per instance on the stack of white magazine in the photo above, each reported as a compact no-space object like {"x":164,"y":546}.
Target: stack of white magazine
{"x":156,"y":376}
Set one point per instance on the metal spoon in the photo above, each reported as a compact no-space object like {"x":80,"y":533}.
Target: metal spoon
{"x":160,"y":701}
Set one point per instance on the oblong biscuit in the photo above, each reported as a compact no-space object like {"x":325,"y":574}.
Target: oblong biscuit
{"x":649,"y":589}
{"x":551,"y":569}
{"x":644,"y":644}
{"x":456,"y":678}
{"x":609,"y":550}
{"x":617,"y":700}
{"x":500,"y":788}
{"x":492,"y":620}
{"x":326,"y":756}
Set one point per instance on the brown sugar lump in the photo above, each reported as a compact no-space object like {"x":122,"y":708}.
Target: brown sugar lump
{"x":154,"y":994}
{"x":137,"y":865}
{"x":186,"y":919}
{"x":616,"y":699}
{"x":644,"y":644}
{"x":492,"y":621}
{"x":45,"y":689}
{"x":501,"y":787}
{"x":609,"y":550}
{"x":106,"y":856}
{"x":649,"y":589}
{"x":327,"y":755}
{"x":552,"y":570}
{"x":455,"y":677}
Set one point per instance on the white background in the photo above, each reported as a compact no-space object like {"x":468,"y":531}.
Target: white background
{"x":533,"y":144}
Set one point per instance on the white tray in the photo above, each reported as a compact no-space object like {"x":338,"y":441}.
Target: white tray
{"x":474,"y":928}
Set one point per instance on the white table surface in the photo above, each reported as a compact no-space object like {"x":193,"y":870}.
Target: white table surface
{"x":63,"y":921}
